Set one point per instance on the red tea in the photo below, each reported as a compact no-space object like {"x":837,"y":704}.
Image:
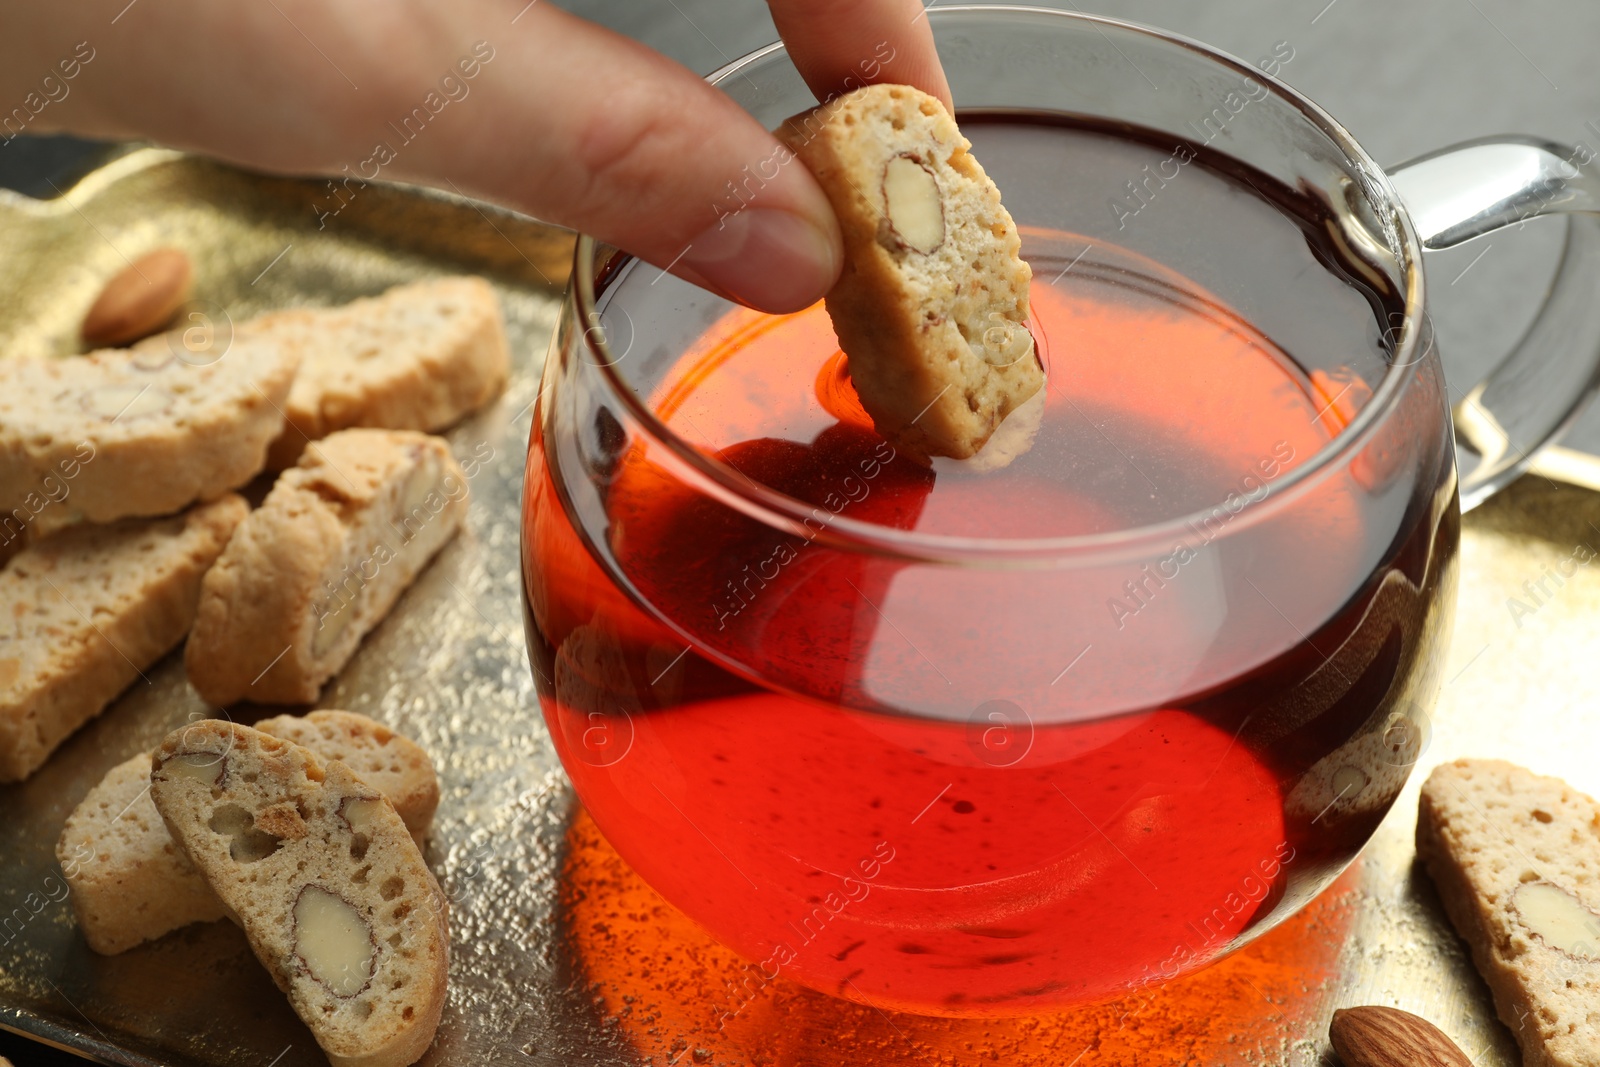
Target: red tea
{"x":980,"y":789}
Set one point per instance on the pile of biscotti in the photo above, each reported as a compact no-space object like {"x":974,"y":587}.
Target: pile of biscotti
{"x":118,"y":472}
{"x":305,"y":832}
{"x":125,"y":536}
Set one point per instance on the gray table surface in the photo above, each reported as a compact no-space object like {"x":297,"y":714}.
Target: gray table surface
{"x":1404,"y":76}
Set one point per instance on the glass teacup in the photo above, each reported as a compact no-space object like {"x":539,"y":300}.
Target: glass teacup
{"x":973,"y":739}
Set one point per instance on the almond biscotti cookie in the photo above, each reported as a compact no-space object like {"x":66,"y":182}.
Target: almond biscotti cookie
{"x":140,"y":885}
{"x":321,"y":873}
{"x":1516,"y":859}
{"x":89,"y":609}
{"x":321,"y":562}
{"x":932,"y":304}
{"x":418,"y":357}
{"x":137,"y":431}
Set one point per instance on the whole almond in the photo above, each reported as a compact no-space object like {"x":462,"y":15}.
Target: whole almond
{"x":140,"y":300}
{"x":1375,"y":1036}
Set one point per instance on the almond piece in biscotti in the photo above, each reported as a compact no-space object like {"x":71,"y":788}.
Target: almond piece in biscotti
{"x":932,"y":306}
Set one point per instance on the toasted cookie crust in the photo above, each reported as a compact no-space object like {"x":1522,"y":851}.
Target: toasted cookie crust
{"x":137,"y":431}
{"x":391,"y":763}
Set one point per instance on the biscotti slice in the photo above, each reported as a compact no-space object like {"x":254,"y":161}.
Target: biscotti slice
{"x":321,"y":873}
{"x":394,"y":765}
{"x":139,"y":885}
{"x":418,"y":357}
{"x":321,"y":562}
{"x":86,"y":611}
{"x":932,"y":304}
{"x":137,"y":431}
{"x":1516,"y":859}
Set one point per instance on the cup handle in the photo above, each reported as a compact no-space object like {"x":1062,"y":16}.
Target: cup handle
{"x":1534,"y":393}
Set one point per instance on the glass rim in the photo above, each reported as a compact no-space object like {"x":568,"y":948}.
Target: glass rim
{"x":767,"y":505}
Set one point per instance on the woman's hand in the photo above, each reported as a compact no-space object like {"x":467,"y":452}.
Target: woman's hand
{"x":517,"y":102}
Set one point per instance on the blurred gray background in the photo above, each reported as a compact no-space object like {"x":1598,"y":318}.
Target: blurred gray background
{"x":1404,"y":76}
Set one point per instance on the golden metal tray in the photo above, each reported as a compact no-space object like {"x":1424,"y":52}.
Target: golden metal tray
{"x":560,"y":955}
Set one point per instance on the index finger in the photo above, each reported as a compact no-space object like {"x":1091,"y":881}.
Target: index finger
{"x":839,"y":45}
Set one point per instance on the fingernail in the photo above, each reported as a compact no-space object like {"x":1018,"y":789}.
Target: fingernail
{"x":772,"y":260}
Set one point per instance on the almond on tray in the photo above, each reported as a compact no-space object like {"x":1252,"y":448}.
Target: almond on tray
{"x":140,"y":299}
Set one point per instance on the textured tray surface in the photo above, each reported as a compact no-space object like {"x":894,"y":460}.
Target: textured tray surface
{"x":560,"y":955}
